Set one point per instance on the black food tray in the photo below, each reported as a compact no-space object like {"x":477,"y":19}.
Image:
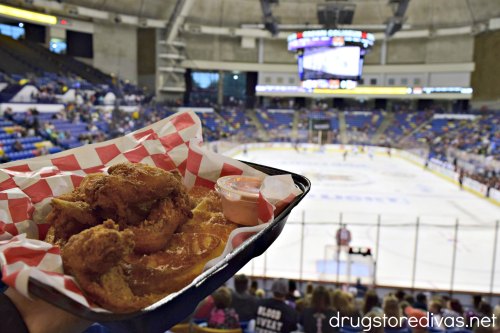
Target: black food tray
{"x":164,"y":314}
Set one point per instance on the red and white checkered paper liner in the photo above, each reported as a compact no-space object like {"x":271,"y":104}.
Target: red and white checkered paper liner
{"x":27,"y":187}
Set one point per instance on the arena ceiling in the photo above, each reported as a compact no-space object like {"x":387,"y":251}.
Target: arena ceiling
{"x":420,"y":13}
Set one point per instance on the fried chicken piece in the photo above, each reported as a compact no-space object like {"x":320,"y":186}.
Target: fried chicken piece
{"x":79,"y":211}
{"x":96,"y":250}
{"x":153,"y":234}
{"x":68,"y":218}
{"x":150,"y":201}
{"x":102,"y":261}
{"x":122,"y":194}
{"x":78,"y":194}
{"x":50,"y":238}
{"x":95,"y":258}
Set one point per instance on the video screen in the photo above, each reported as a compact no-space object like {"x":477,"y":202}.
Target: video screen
{"x":331,"y":63}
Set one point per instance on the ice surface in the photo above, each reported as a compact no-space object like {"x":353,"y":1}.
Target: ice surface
{"x":359,"y":191}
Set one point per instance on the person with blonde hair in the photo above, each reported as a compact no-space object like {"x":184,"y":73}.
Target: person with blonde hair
{"x":335,"y":295}
{"x":435,"y":308}
{"x":392,"y":309}
{"x":347,"y":309}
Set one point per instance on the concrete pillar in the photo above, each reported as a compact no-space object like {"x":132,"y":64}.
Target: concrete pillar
{"x":261,"y":51}
{"x":383,"y":52}
{"x":220,"y":89}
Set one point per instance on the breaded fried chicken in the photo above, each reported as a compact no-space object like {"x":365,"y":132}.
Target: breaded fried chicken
{"x":102,"y":262}
{"x":149,"y":200}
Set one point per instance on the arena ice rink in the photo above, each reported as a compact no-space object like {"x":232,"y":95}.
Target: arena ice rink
{"x":359,"y":192}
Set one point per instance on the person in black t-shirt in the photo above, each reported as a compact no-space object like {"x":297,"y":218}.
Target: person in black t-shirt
{"x":273,"y":314}
{"x":244,"y":303}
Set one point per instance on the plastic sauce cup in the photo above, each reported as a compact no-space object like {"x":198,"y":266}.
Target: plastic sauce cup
{"x":239,"y":196}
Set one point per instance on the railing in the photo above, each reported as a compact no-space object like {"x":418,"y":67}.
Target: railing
{"x":420,"y":252}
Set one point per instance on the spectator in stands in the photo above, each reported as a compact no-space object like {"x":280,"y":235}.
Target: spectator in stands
{"x":244,"y":303}
{"x":409,"y":299}
{"x":3,"y":158}
{"x":371,"y":302}
{"x":293,"y":293}
{"x":308,"y":294}
{"x":435,"y":309}
{"x":474,"y":311}
{"x":403,"y":305}
{"x":260,"y":293}
{"x":391,"y":308}
{"x":453,"y":309}
{"x":43,"y":151}
{"x":421,"y":302}
{"x":8,"y":114}
{"x":273,"y":314}
{"x":254,"y":285}
{"x":485,"y":309}
{"x":335,"y":296}
{"x":222,"y":316}
{"x":17,"y":146}
{"x":418,"y":319}
{"x":344,"y":303}
{"x":315,"y":318}
{"x":400,"y":295}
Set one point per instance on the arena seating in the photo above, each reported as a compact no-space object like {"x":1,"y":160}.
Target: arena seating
{"x":238,"y":120}
{"x":14,"y":147}
{"x":214,"y":122}
{"x":404,"y":123}
{"x":363,"y":121}
{"x":276,"y":119}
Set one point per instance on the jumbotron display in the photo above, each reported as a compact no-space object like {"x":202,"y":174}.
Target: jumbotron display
{"x":330,"y":54}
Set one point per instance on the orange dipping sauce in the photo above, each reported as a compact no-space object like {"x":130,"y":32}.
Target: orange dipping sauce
{"x":239,"y":196}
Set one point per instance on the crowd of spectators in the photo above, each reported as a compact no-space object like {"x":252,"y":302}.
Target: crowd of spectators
{"x":319,"y":309}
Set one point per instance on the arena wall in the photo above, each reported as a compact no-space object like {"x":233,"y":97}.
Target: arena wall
{"x":115,"y":50}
